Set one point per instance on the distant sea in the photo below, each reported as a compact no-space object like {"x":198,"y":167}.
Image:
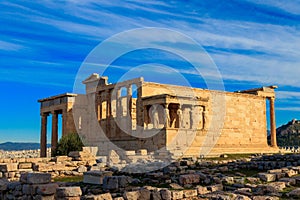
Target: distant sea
{"x":18,"y":146}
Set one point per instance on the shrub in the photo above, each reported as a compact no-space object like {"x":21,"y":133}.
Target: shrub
{"x":68,"y":143}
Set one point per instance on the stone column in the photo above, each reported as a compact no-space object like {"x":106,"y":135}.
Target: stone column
{"x":98,"y":109}
{"x":146,"y":118}
{"x":64,"y":122}
{"x":139,"y":107}
{"x":54,"y":135}
{"x":179,"y":117}
{"x":129,"y":100}
{"x":118,"y":103}
{"x":43,"y":142}
{"x":100,"y":106}
{"x":108,"y":111}
{"x":273,"y":122}
{"x":129,"y":108}
{"x":167,"y":116}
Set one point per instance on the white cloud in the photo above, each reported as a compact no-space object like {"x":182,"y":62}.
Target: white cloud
{"x":9,"y":46}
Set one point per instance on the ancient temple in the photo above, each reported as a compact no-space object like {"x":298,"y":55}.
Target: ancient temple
{"x":183,"y":121}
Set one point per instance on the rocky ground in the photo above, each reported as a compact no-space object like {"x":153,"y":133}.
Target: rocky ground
{"x":22,"y":154}
{"x":234,"y":177}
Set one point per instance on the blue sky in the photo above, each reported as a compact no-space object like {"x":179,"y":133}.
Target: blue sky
{"x":43,"y":43}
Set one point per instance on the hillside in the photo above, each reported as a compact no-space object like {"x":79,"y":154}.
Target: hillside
{"x":17,"y":146}
{"x":289,"y":134}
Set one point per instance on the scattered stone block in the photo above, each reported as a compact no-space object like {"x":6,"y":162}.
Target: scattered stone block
{"x":130,"y":153}
{"x":213,"y":188}
{"x":265,"y":198}
{"x":202,"y":190}
{"x":176,"y":186}
{"x":165,"y":194}
{"x":288,"y":181}
{"x":294,"y":193}
{"x":82,"y":169}
{"x":144,"y":194}
{"x":133,"y":195}
{"x":92,"y":150}
{"x":68,"y":192}
{"x":8,"y":167}
{"x":106,"y":196}
{"x":142,"y":152}
{"x":48,"y":197}
{"x":113,"y":157}
{"x":25,"y":165}
{"x":189,"y":179}
{"x":3,"y":185}
{"x":291,"y":172}
{"x":27,"y":189}
{"x":58,"y":159}
{"x":177,"y":194}
{"x":267,"y":177}
{"x":155,"y":194}
{"x":189,"y":193}
{"x":35,"y":178}
{"x":47,"y":189}
{"x":278,"y":186}
{"x":121,"y":198}
{"x":95,"y":177}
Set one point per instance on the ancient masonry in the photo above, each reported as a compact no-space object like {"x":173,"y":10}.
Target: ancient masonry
{"x":179,"y":121}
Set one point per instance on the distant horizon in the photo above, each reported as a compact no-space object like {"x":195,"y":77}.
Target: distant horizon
{"x":44,"y":43}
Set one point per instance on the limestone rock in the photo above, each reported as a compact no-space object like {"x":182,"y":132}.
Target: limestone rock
{"x":113,"y":157}
{"x":177,"y":194}
{"x":47,"y":189}
{"x":3,"y":185}
{"x":36,"y":178}
{"x":68,"y":192}
{"x":265,"y":198}
{"x":189,"y":179}
{"x":25,"y":165}
{"x":214,"y":188}
{"x":294,"y":193}
{"x":82,"y":169}
{"x":165,"y":194}
{"x":176,"y":186}
{"x":133,"y":195}
{"x":95,"y":177}
{"x":189,"y":193}
{"x":278,"y":186}
{"x":202,"y":190}
{"x":106,"y":196}
{"x":267,"y":177}
{"x":8,"y":167}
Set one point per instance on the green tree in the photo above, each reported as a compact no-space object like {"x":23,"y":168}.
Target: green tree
{"x":68,"y":143}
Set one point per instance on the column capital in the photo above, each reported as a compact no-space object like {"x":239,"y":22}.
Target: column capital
{"x":44,"y":114}
{"x":54,"y":112}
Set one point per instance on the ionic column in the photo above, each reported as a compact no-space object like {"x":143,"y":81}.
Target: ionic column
{"x":64,"y":122}
{"x":129,"y":100}
{"x":273,"y":122}
{"x":54,"y":135}
{"x":108,"y":110}
{"x":129,"y":108}
{"x":43,"y":139}
{"x":139,"y":107}
{"x":118,"y":99}
{"x":146,"y":117}
{"x":100,"y":107}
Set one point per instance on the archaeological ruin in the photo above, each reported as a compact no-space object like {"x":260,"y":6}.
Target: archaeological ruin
{"x":161,"y":119}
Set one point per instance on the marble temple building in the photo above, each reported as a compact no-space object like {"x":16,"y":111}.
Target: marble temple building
{"x":183,"y":121}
